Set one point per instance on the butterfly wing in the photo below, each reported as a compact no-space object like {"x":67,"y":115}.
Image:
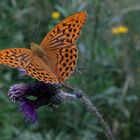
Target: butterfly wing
{"x":59,"y":45}
{"x":25,"y":59}
{"x":65,"y":33}
{"x":16,"y":57}
{"x":39,"y":70}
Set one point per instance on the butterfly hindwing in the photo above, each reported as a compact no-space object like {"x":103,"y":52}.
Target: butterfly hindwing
{"x":39,"y":70}
{"x":67,"y":60}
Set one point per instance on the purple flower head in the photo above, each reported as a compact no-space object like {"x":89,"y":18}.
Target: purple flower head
{"x":18,"y":91}
{"x":45,"y":94}
{"x":28,"y":108}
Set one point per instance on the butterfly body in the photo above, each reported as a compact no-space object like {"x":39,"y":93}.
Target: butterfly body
{"x":37,"y":50}
{"x":55,"y":58}
{"x":41,"y":54}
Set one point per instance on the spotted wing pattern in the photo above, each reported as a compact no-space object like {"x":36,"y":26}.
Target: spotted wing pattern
{"x":39,"y":70}
{"x":67,"y":58}
{"x":60,"y":47}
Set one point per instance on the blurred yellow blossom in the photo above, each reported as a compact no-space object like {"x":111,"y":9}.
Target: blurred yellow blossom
{"x":55,"y":15}
{"x":119,"y":30}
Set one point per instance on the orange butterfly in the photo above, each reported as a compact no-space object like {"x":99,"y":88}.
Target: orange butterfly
{"x":55,"y":58}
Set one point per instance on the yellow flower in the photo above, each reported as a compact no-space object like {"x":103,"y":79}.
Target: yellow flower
{"x":119,"y":30}
{"x":55,"y":15}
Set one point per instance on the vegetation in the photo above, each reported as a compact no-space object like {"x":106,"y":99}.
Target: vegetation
{"x":108,"y":68}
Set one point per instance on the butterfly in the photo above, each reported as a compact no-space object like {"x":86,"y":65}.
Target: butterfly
{"x":55,"y":58}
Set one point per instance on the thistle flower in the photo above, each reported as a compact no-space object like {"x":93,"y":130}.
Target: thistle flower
{"x":45,"y":94}
{"x":28,"y":108}
{"x":18,"y":91}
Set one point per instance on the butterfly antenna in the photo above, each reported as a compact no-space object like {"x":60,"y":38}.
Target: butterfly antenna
{"x":36,"y":30}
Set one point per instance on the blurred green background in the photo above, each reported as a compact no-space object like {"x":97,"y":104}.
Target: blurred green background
{"x":108,"y":68}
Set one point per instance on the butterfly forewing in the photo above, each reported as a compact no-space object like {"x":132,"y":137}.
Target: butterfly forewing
{"x":59,"y":45}
{"x":16,"y":57}
{"x":66,"y":32}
